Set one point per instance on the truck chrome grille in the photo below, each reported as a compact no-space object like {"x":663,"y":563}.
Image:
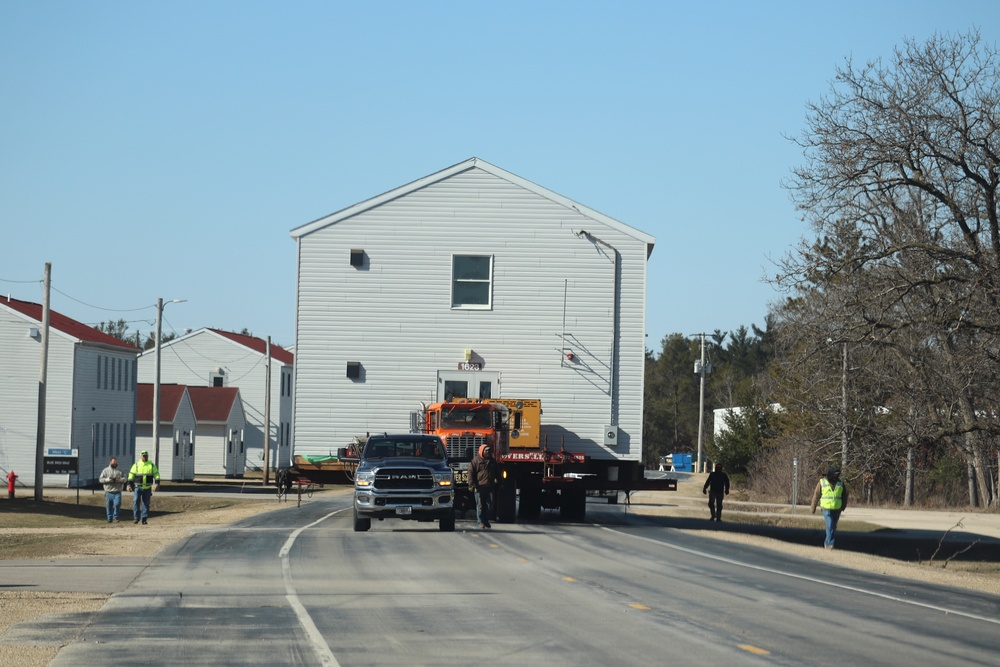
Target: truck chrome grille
{"x":464,"y":446}
{"x":404,"y":478}
{"x":416,"y":501}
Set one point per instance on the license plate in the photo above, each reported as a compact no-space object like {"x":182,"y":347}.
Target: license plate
{"x":405,"y":509}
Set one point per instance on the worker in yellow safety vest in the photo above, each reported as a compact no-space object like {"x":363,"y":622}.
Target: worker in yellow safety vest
{"x":144,"y":478}
{"x":831,"y":496}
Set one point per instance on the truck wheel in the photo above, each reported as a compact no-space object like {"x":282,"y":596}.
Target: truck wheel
{"x":530,"y":506}
{"x":447,"y":523}
{"x":573,"y":505}
{"x":507,"y":503}
{"x":360,"y":524}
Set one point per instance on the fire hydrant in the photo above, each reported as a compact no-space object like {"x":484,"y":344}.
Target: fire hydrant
{"x":11,"y":478}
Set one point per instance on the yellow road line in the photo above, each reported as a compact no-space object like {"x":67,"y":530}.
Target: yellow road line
{"x":753,"y":649}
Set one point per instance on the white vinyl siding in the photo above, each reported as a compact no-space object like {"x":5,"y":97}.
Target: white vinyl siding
{"x":108,"y":413}
{"x":76,"y":403}
{"x":193,"y":360}
{"x":553,"y":289}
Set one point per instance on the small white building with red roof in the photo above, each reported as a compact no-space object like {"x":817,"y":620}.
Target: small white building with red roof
{"x":90,"y":394}
{"x":220,"y":445}
{"x":177,"y":430}
{"x":217,"y":358}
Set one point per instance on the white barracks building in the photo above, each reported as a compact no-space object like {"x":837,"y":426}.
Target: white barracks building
{"x":470,"y":282}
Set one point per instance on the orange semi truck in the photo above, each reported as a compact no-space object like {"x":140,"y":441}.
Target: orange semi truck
{"x":535,"y":476}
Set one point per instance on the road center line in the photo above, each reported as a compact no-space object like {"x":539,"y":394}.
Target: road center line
{"x":803,"y":577}
{"x":313,"y":634}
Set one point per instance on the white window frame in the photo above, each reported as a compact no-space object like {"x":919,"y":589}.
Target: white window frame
{"x":488,"y":282}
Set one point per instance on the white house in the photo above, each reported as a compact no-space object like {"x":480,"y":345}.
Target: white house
{"x":470,"y":282}
{"x":177,"y":430}
{"x":219,"y":432}
{"x":89,"y":394}
{"x":216,"y":358}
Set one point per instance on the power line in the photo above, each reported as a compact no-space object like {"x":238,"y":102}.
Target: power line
{"x":113,"y":310}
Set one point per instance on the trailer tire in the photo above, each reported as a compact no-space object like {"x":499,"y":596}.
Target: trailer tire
{"x":507,"y":503}
{"x":530,"y":506}
{"x":573,"y":505}
{"x":447,"y":523}
{"x":361,"y":524}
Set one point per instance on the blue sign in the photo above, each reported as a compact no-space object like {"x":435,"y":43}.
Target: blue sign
{"x":51,"y":451}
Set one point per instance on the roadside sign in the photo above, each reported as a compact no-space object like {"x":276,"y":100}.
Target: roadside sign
{"x":58,"y":451}
{"x":59,"y":465}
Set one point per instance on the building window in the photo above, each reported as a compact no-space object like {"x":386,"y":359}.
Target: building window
{"x":471,"y":281}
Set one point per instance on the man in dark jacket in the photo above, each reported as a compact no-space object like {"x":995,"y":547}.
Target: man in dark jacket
{"x":716,"y":486}
{"x":483,"y":476}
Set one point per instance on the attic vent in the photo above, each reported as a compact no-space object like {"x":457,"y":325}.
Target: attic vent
{"x":357,"y":258}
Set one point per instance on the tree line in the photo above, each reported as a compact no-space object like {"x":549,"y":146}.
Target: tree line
{"x":883,"y":352}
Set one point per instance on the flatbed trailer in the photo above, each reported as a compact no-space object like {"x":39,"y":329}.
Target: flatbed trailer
{"x":321,"y":470}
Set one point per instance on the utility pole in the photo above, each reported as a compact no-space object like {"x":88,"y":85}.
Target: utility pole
{"x":156,"y":386}
{"x":843,"y":397}
{"x":267,"y":416}
{"x":700,"y":369}
{"x":156,"y":381}
{"x":43,"y":374}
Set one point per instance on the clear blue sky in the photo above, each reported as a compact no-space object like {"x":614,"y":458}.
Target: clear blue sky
{"x":165,"y":149}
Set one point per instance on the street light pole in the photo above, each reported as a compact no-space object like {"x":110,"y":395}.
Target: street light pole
{"x":156,"y":380}
{"x":701,"y":401}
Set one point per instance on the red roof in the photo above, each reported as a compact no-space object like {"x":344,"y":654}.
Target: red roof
{"x":258,"y":345}
{"x":170,"y":400}
{"x":213,"y":404}
{"x":65,"y":324}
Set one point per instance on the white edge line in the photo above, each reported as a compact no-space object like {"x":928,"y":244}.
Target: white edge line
{"x":319,"y":644}
{"x":807,"y":578}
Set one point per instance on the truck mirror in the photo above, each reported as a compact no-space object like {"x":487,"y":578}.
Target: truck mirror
{"x":347,"y":454}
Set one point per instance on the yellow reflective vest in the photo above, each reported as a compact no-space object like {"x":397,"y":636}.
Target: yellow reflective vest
{"x":144,"y":474}
{"x":832,"y":496}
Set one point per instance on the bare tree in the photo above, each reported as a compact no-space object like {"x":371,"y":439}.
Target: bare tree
{"x":900,"y":183}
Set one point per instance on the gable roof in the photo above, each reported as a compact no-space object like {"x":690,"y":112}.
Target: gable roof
{"x":213,"y":404}
{"x":471,"y":163}
{"x":170,"y":400}
{"x":66,"y":325}
{"x":258,"y":345}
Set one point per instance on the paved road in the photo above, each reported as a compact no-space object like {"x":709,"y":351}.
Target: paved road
{"x":299,"y":587}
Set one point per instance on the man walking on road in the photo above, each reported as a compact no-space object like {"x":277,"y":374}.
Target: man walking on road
{"x":144,"y":477}
{"x":483,"y":474}
{"x":113,"y":480}
{"x":716,"y":486}
{"x":831,"y":496}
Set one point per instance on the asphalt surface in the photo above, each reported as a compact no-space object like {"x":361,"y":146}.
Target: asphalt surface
{"x":629,"y":589}
{"x":923,"y":528}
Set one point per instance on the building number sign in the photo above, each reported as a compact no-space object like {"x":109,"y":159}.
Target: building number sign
{"x":470,"y":366}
